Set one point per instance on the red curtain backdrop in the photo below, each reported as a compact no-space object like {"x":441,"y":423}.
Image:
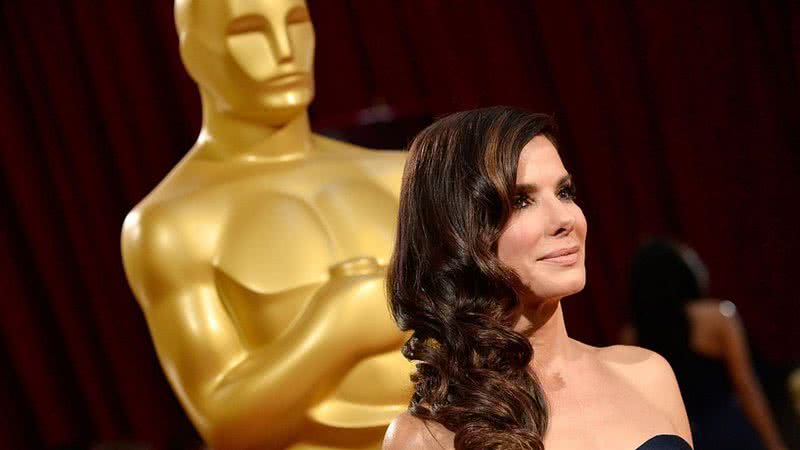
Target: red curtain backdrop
{"x":676,"y":117}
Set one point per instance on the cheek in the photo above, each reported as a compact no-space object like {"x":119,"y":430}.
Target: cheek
{"x":517,"y":245}
{"x":252,"y":53}
{"x":302,"y":38}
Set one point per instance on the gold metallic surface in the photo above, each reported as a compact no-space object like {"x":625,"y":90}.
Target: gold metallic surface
{"x":259,"y":261}
{"x":793,"y":384}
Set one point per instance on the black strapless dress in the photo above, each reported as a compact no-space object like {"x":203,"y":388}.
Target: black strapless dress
{"x":665,"y":442}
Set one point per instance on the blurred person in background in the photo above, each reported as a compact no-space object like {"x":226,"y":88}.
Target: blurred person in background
{"x":704,"y":340}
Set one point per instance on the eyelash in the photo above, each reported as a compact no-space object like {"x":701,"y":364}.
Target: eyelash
{"x":568,"y":189}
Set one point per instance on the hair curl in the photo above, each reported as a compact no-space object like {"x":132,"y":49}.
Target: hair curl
{"x":446,"y":283}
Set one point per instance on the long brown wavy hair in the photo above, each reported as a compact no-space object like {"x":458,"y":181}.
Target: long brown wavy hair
{"x":446,"y":283}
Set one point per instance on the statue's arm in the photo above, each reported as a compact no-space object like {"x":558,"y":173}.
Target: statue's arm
{"x":239,"y":397}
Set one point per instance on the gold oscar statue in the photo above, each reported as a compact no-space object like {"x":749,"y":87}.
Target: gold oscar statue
{"x":259,"y":261}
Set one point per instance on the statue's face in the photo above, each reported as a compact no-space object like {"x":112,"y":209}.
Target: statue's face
{"x":253,"y":58}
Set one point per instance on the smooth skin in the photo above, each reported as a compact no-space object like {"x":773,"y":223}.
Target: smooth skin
{"x":615,"y":397}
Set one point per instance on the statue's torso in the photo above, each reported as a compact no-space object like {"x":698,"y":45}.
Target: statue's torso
{"x":270,"y":231}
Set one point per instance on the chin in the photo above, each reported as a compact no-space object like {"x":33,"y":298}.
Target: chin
{"x":560,"y":287}
{"x":298,"y":97}
{"x":576,"y":284}
{"x":574,"y":289}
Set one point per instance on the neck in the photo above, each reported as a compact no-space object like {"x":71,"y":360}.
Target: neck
{"x":543,"y":324}
{"x":227,"y":136}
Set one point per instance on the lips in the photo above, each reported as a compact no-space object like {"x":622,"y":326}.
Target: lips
{"x":285,"y":79}
{"x":564,"y":256}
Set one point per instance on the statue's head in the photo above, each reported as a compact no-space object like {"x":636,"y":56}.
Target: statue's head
{"x":252,"y":58}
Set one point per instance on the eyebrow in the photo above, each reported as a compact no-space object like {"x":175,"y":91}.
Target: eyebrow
{"x":247,"y":22}
{"x":532,"y":187}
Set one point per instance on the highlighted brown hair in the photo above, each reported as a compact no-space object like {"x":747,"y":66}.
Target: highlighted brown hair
{"x":446,"y":283}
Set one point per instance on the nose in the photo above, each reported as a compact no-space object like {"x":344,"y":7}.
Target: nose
{"x":562,"y":219}
{"x":281,"y":44}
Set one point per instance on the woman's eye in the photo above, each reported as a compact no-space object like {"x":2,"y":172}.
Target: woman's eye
{"x":568,"y":192}
{"x":521,"y":201}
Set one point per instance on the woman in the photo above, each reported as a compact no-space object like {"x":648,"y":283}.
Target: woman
{"x":489,"y":241}
{"x":704,"y":341}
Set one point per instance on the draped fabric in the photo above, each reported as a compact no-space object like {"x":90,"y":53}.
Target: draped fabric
{"x":676,"y":117}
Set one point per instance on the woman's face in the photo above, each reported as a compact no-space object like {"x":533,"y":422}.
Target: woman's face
{"x":544,"y":240}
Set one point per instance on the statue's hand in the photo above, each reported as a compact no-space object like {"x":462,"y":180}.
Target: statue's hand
{"x":358,"y":318}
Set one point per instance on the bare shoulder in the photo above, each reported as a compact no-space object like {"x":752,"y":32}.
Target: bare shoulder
{"x":160,"y":250}
{"x":153,"y":227}
{"x":386,"y":160}
{"x":652,"y":376}
{"x":383,"y":166}
{"x":142,"y":226}
{"x":627,"y":355}
{"x":347,"y":149}
{"x":716,"y":313}
{"x":386,"y":163}
{"x":407,"y":432}
{"x":638,"y":365}
{"x":710,"y":308}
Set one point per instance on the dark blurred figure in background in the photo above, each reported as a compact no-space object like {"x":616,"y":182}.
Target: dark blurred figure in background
{"x":704,"y":340}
